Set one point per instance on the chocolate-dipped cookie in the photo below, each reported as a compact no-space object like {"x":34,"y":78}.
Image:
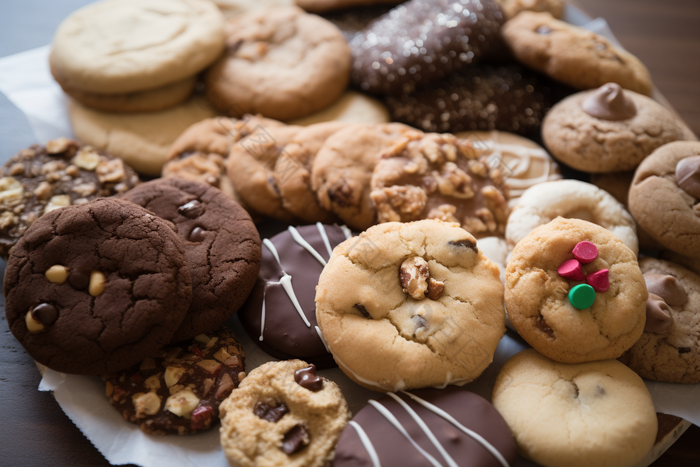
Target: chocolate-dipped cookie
{"x":421,"y":42}
{"x":280,"y":314}
{"x":222,"y":247}
{"x":62,"y":173}
{"x":448,"y":426}
{"x":180,"y":389}
{"x":97,"y":287}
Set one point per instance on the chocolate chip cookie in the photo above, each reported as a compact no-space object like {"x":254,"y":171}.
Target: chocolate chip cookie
{"x":97,"y":287}
{"x":42,"y":178}
{"x":179,"y":390}
{"x":411,"y":305}
{"x":442,"y":177}
{"x":221,"y":243}
{"x":280,"y":314}
{"x":283,"y":414}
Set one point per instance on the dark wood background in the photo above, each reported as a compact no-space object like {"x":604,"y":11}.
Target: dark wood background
{"x":34,"y":431}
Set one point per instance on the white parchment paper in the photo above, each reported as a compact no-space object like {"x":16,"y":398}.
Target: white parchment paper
{"x":26,"y":81}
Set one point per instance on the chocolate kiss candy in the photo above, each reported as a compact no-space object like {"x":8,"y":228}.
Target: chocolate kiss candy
{"x":585,"y":252}
{"x":571,"y":269}
{"x":307,"y":378}
{"x":667,"y":287}
{"x":582,"y":296}
{"x":688,"y":175}
{"x":599,"y":280}
{"x":659,"y":318}
{"x":609,"y":102}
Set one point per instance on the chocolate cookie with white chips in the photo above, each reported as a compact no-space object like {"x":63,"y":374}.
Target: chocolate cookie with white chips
{"x":180,"y":390}
{"x":41,"y":178}
{"x":280,"y":313}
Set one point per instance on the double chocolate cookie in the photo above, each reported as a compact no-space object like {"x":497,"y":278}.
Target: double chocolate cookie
{"x":95,"y":288}
{"x":221,"y":243}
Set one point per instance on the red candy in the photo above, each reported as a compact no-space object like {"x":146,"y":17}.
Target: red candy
{"x":585,"y":252}
{"x":571,"y":269}
{"x":599,"y":280}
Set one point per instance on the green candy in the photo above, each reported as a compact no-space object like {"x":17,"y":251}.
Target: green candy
{"x":582,"y":296}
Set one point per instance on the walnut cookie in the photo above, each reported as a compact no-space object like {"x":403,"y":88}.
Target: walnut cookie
{"x":411,"y":305}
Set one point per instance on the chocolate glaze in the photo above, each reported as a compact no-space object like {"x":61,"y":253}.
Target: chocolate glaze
{"x":285,"y":335}
{"x":307,"y":378}
{"x":688,"y":175}
{"x":609,"y":102}
{"x":667,"y":288}
{"x":394,"y":450}
{"x":659,"y":318}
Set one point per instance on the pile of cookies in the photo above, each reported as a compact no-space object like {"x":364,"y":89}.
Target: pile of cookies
{"x":404,"y":121}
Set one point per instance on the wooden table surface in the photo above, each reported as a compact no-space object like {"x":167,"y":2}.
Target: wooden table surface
{"x":34,"y":431}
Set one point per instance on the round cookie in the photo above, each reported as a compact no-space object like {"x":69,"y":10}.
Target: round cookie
{"x":280,"y":62}
{"x":597,"y":413}
{"x":343,"y":167}
{"x":292,"y":262}
{"x":124,"y":46}
{"x":251,"y":166}
{"x":481,"y":97}
{"x":398,"y":306}
{"x":322,"y":6}
{"x":283,"y":414}
{"x":292,"y":172}
{"x":571,"y":199}
{"x":42,"y":178}
{"x":573,"y":55}
{"x":351,"y":107}
{"x":522,"y":162}
{"x":421,"y":42}
{"x":97,"y":287}
{"x":221,"y":243}
{"x":435,"y":176}
{"x":669,"y":349}
{"x":200,"y":152}
{"x":179,"y":390}
{"x":664,"y":197}
{"x":545,"y":278}
{"x":609,"y":129}
{"x":455,"y":425}
{"x":142,"y":140}
{"x":512,"y":7}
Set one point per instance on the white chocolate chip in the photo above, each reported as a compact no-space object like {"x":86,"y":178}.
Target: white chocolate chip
{"x":97,"y":283}
{"x":56,"y":274}
{"x":33,"y":325}
{"x":182,"y":403}
{"x":146,"y":404}
{"x":57,"y":201}
{"x":173,"y":375}
{"x":210,"y":366}
{"x":222,"y":355}
{"x":87,"y":158}
{"x":152,"y":382}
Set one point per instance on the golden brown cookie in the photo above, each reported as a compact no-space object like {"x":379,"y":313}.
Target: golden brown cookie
{"x":573,"y":55}
{"x":574,"y":307}
{"x":280,"y":62}
{"x":665,"y":197}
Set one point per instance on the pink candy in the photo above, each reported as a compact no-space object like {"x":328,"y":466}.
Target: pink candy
{"x":599,"y":280}
{"x":585,"y":252}
{"x":571,"y":269}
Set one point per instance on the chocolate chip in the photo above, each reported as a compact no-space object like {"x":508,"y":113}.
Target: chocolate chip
{"x":296,"y":439}
{"x":683,"y":349}
{"x":268,"y":413}
{"x":362,"y":310}
{"x":79,"y":280}
{"x":45,"y":313}
{"x":543,"y":30}
{"x":191,"y":210}
{"x":307,"y":378}
{"x":543,"y":326}
{"x":466,"y":243}
{"x":197,"y":235}
{"x":599,"y":391}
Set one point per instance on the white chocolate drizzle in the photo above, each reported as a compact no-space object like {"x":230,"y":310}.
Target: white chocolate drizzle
{"x":476,"y":436}
{"x":305,"y":245}
{"x":323,"y":340}
{"x":324,"y":236}
{"x":262,"y":316}
{"x":450,"y":461}
{"x":369,"y":447}
{"x":391,"y":419}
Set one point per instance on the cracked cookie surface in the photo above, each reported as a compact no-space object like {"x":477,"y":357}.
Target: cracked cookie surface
{"x":597,"y":413}
{"x":411,"y":305}
{"x":221,"y":243}
{"x":669,"y":349}
{"x":537,"y":296}
{"x":283,"y":414}
{"x":95,"y":288}
{"x":62,"y":173}
{"x":180,"y":389}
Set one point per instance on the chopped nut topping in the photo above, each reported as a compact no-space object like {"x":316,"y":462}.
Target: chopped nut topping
{"x":11,"y":191}
{"x":43,"y":191}
{"x":60,"y":145}
{"x":435,"y":289}
{"x":87,"y":158}
{"x":173,"y":375}
{"x":444,"y":212}
{"x":182,"y":403}
{"x":85,"y":189}
{"x":53,"y":168}
{"x":111,"y":171}
{"x":56,"y":274}
{"x":152,"y":382}
{"x":210,"y":366}
{"x":413,"y":275}
{"x":7,"y":220}
{"x":57,"y":201}
{"x":146,"y":404}
{"x":16,"y":169}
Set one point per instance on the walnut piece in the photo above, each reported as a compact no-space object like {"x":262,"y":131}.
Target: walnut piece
{"x":57,"y":201}
{"x":87,"y":158}
{"x":413,"y":275}
{"x":59,"y":145}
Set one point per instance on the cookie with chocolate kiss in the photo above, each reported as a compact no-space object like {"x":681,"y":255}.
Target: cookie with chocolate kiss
{"x":449,"y":426}
{"x":280,"y":314}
